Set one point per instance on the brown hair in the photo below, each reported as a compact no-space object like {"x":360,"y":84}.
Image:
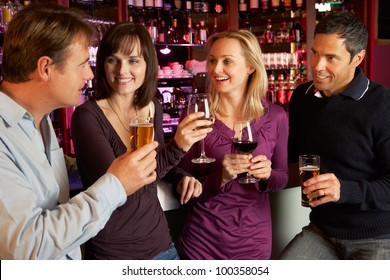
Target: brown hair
{"x":41,"y":30}
{"x":125,"y":37}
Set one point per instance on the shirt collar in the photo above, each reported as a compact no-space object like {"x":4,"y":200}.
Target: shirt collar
{"x":11,"y":112}
{"x":355,"y":90}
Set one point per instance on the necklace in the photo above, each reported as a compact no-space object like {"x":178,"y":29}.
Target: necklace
{"x":127,"y":129}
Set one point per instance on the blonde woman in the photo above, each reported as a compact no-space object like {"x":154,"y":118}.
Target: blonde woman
{"x":229,"y":220}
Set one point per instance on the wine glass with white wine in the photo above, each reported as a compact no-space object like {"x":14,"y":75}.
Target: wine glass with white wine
{"x":199,"y":102}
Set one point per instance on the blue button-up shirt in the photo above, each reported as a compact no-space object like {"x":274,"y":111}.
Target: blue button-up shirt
{"x":37,"y":219}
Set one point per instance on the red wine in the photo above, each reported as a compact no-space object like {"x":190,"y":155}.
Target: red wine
{"x":245,"y":146}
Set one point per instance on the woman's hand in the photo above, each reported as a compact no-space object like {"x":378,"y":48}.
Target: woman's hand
{"x":234,"y":164}
{"x":260,"y":167}
{"x":187,"y":132}
{"x":189,"y":187}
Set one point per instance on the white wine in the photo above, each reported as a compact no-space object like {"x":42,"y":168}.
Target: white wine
{"x":140,"y":134}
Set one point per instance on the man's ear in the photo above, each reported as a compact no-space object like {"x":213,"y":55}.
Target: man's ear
{"x":358,"y":58}
{"x":44,"y":67}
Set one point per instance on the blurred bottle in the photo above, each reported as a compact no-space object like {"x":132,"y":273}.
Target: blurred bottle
{"x":254,"y":5}
{"x":269,"y":35}
{"x":174,"y":35}
{"x":89,"y":92}
{"x":189,"y":33}
{"x":298,"y":31}
{"x":299,"y":4}
{"x":163,"y":33}
{"x":271,"y":94}
{"x":242,"y":6}
{"x":281,"y":91}
{"x":275,"y":5}
{"x":218,"y":6}
{"x":215,"y":27}
{"x":287,"y":5}
{"x":265,"y":5}
{"x":203,"y":33}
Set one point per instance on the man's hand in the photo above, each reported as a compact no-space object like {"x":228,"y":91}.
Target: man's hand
{"x":136,"y":168}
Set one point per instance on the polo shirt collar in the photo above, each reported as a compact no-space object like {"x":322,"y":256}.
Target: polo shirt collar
{"x":355,"y":90}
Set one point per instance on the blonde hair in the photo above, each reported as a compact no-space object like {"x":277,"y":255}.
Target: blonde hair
{"x":252,"y":107}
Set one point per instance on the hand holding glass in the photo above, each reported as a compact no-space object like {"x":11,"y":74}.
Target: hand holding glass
{"x":309,"y":166}
{"x":245,"y":142}
{"x":141,"y":131}
{"x":200,"y":103}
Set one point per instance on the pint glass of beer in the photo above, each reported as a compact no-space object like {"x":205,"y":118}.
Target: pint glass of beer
{"x":141,"y":131}
{"x":309,"y":166}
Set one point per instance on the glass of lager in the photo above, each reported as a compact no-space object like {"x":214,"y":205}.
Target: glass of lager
{"x":309,"y":166}
{"x":141,"y":131}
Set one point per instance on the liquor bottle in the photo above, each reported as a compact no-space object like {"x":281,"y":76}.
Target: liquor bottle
{"x":275,"y":4}
{"x":264,"y":5}
{"x":89,"y":92}
{"x":215,"y":27}
{"x":188,"y":5}
{"x":197,"y":6}
{"x":271,"y":94}
{"x":218,"y":6}
{"x":281,"y":91}
{"x":242,"y":7}
{"x":287,"y":5}
{"x":177,"y":4}
{"x":163,"y":33}
{"x":189,"y":34}
{"x":152,"y":29}
{"x":139,"y":4}
{"x":254,"y":5}
{"x":158,"y":4}
{"x":203,"y":33}
{"x":283,"y":35}
{"x":299,"y":4}
{"x":290,"y":87}
{"x":130,"y":4}
{"x":174,"y":35}
{"x":149,"y":4}
{"x":298,"y":31}
{"x":269,"y":36}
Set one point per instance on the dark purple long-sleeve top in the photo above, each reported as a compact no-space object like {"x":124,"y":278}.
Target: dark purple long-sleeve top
{"x":234,"y":221}
{"x":138,"y":229}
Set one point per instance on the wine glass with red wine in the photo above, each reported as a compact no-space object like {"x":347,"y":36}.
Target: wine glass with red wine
{"x":244,"y":142}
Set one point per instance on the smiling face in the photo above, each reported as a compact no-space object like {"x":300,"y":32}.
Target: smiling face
{"x":331,"y":65}
{"x":227,"y":67}
{"x":125,"y":73}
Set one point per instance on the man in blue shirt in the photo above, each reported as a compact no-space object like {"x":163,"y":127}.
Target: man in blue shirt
{"x":45,"y":66}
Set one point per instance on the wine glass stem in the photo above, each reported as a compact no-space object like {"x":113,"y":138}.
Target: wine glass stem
{"x":202,"y":152}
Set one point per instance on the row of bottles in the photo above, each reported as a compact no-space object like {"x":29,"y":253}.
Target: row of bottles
{"x":197,"y":6}
{"x":282,"y":86}
{"x":7,"y":10}
{"x":174,"y":28}
{"x":287,"y":32}
{"x":266,"y":6}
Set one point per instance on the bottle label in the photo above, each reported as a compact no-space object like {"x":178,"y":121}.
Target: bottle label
{"x":254,"y":4}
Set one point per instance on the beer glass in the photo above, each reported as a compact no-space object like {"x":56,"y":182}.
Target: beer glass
{"x":245,"y":142}
{"x":309,"y":166}
{"x":141,"y":131}
{"x":200,"y":103}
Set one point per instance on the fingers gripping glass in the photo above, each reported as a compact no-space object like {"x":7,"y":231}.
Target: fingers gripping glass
{"x":245,"y":142}
{"x":200,"y":103}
